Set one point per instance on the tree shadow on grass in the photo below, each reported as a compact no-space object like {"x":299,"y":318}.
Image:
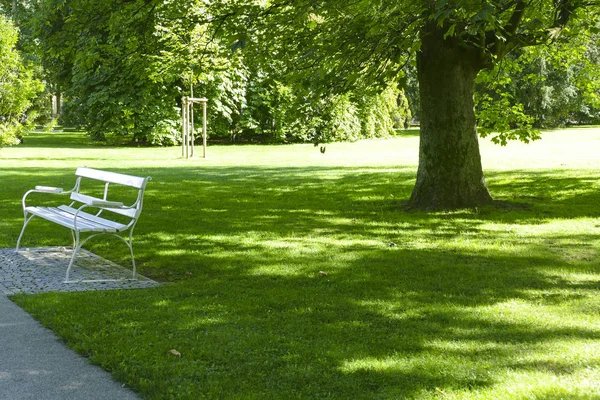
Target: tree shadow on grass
{"x":390,"y":323}
{"x":359,"y":203}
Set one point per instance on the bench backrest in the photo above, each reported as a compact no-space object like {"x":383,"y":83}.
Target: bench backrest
{"x":112,"y":177}
{"x":108,"y":177}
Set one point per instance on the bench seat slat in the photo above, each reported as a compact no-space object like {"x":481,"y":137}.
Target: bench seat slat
{"x":54,"y":215}
{"x":66,"y":218}
{"x":94,"y":219}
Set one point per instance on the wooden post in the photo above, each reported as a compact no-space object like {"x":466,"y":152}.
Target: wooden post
{"x":183,"y":123}
{"x":187,"y":128}
{"x":204,"y":128}
{"x":191,"y":117}
{"x":192,"y":129}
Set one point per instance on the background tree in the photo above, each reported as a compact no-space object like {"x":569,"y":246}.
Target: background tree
{"x":553,"y":85}
{"x":97,"y":53}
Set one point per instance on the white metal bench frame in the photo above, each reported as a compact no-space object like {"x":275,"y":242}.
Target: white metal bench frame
{"x":80,"y":222}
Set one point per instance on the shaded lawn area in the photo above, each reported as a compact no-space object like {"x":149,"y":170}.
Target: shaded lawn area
{"x":291,"y":274}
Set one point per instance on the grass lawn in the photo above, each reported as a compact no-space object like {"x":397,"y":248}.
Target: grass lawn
{"x":294,"y":274}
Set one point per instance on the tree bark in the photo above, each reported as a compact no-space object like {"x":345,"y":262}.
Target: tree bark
{"x":450,"y":175}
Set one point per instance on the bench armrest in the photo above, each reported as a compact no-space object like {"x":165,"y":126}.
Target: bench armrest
{"x":48,"y":189}
{"x":106,"y":203}
{"x":43,"y":189}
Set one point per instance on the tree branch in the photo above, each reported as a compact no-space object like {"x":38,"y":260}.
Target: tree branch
{"x":515,"y":18}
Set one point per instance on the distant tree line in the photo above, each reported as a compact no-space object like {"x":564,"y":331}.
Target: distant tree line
{"x":121,"y":69}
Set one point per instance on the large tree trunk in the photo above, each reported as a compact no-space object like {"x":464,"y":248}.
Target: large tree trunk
{"x":450,"y":175}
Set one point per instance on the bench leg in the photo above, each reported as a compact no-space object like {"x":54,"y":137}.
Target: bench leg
{"x":130,"y":245}
{"x":23,"y":231}
{"x":79,"y":244}
{"x":76,"y":247}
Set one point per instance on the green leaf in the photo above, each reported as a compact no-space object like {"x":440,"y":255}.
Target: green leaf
{"x":450,"y":31}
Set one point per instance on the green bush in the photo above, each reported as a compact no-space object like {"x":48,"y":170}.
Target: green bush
{"x":17,"y":86}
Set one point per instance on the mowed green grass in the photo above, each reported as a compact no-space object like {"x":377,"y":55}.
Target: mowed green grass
{"x":293,"y":274}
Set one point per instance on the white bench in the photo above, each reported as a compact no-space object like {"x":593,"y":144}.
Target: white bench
{"x":105,"y":216}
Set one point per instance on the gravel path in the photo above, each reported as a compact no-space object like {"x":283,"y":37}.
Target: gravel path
{"x":40,"y":270}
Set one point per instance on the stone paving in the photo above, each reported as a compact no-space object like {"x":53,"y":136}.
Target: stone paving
{"x":39,"y":270}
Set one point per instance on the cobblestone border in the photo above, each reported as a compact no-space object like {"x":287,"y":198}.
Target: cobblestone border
{"x":40,"y":270}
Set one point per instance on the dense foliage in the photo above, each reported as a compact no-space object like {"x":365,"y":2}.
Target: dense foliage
{"x":541,"y":87}
{"x":122,"y":68}
{"x":18,"y":86}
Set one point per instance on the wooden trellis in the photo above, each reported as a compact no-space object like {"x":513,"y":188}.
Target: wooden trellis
{"x":187,"y":125}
